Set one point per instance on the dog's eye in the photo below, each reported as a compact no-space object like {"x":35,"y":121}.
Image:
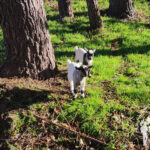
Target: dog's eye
{"x":90,"y":55}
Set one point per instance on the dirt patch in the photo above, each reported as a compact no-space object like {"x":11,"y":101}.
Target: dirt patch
{"x":116,"y":44}
{"x":52,"y":84}
{"x":20,"y":92}
{"x":109,"y":90}
{"x":17,"y":94}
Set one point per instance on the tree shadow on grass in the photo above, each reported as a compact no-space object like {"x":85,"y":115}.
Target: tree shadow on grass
{"x":73,"y":27}
{"x":124,"y":51}
{"x":71,"y":52}
{"x":135,"y":24}
{"x":105,"y":52}
{"x":59,"y":54}
{"x":16,"y":99}
{"x":53,"y":18}
{"x":104,"y":12}
{"x":79,"y":14}
{"x":57,"y":18}
{"x":80,"y":27}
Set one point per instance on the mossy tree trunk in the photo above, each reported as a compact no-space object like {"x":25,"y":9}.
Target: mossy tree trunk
{"x":65,"y":9}
{"x":27,"y":39}
{"x":94,"y":14}
{"x":121,"y":9}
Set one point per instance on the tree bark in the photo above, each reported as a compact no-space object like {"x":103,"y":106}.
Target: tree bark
{"x":27,"y":39}
{"x":94,"y":14}
{"x":121,"y":9}
{"x":0,"y":19}
{"x":65,"y":9}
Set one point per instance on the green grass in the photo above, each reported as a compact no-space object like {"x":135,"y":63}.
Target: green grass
{"x":120,"y":84}
{"x":2,"y":49}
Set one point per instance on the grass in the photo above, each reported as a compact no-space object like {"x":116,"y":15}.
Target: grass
{"x":116,"y":93}
{"x":2,"y":49}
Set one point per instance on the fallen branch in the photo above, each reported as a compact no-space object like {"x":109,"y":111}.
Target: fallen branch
{"x":68,"y":128}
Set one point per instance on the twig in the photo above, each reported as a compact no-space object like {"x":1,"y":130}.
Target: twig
{"x":72,"y":130}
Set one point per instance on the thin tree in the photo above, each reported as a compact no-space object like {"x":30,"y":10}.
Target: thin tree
{"x":121,"y":9}
{"x":65,"y":9}
{"x":94,"y":14}
{"x":27,"y":39}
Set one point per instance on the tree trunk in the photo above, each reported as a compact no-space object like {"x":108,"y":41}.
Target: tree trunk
{"x":0,"y":19}
{"x":94,"y":14}
{"x":65,"y":9}
{"x":121,"y":9}
{"x":27,"y":39}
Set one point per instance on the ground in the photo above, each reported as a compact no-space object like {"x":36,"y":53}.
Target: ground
{"x":42,"y":114}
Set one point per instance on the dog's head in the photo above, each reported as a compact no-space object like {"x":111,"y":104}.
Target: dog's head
{"x":90,"y":53}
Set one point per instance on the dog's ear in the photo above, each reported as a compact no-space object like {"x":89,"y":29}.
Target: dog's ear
{"x":94,"y":50}
{"x":88,"y":51}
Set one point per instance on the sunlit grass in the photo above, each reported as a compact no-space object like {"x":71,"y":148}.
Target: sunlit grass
{"x":120,"y":81}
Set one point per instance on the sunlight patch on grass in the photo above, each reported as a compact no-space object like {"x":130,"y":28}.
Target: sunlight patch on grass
{"x":120,"y":81}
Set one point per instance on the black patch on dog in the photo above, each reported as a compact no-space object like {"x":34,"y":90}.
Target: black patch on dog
{"x":75,"y":91}
{"x":82,"y":92}
{"x":83,"y":70}
{"x":84,"y":59}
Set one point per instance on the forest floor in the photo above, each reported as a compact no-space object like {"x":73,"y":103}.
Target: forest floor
{"x":42,"y":114}
{"x":31,"y":112}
